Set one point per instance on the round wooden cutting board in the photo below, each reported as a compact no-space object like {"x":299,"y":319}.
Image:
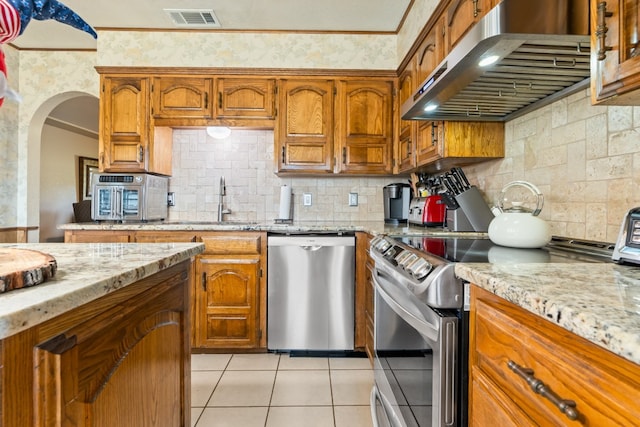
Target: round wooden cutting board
{"x":20,"y":268}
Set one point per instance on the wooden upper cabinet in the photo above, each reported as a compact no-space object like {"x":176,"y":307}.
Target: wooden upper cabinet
{"x":431,"y":52}
{"x":461,"y":15}
{"x":615,"y":52}
{"x":304,"y":134}
{"x":128,"y":140}
{"x":246,"y":98}
{"x":443,"y":144}
{"x":182,"y":97}
{"x":365,"y":127}
{"x":405,"y":153}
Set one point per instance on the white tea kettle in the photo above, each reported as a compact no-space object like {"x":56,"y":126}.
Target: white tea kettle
{"x":516,"y":226}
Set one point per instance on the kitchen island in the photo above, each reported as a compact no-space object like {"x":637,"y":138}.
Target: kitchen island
{"x":553,"y":344}
{"x":105,"y":342}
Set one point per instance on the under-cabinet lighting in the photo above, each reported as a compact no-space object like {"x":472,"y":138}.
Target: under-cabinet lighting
{"x":218,"y":132}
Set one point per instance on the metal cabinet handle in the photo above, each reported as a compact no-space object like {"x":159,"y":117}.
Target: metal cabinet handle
{"x":476,"y":11}
{"x":602,"y":29}
{"x":566,"y":406}
{"x":204,"y":281}
{"x":284,"y":159}
{"x":409,"y":148}
{"x":434,"y":134}
{"x":140,"y":153}
{"x":206,"y":100}
{"x":344,"y":155}
{"x":220,"y":100}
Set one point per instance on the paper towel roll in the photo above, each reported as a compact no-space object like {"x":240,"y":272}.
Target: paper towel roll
{"x":285,"y":202}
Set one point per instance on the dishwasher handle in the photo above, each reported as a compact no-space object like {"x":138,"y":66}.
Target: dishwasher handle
{"x":311,"y":248}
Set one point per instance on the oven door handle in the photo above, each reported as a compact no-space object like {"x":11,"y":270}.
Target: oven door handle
{"x":376,"y":396}
{"x":399,"y":300}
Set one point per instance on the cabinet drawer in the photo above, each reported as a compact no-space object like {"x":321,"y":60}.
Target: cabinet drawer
{"x":604,"y":386}
{"x":236,"y":244}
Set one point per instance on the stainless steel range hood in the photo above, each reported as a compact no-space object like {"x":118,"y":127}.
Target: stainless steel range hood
{"x":542,"y":50}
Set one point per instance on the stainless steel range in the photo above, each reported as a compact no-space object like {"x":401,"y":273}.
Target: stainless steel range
{"x":421,"y":321}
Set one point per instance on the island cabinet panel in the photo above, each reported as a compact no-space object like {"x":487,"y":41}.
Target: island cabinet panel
{"x":511,"y":349}
{"x":230,"y":291}
{"x":184,"y":97}
{"x":615,"y":53}
{"x":365,"y":127}
{"x":122,"y":360}
{"x":304,"y":134}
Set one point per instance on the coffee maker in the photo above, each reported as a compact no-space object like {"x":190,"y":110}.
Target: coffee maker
{"x":396,"y":203}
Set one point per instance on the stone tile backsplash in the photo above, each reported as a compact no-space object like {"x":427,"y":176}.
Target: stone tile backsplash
{"x":246,"y":161}
{"x":585,"y":160}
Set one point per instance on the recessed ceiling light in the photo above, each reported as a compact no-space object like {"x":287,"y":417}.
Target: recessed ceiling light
{"x":488,"y":60}
{"x":430,"y":107}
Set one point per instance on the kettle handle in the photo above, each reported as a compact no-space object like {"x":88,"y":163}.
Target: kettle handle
{"x":534,"y":190}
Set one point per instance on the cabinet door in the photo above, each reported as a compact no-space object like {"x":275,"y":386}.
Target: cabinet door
{"x":304,"y":134}
{"x":227,"y":302}
{"x":246,"y":98}
{"x":615,"y":53}
{"x":182,"y":97}
{"x":406,"y":150}
{"x":430,"y":53}
{"x":365,"y":127}
{"x":429,"y":141}
{"x":125,"y":123}
{"x":462,"y":15}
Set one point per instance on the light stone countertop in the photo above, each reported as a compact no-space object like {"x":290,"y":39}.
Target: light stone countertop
{"x":86,"y":271}
{"x":599,"y":302}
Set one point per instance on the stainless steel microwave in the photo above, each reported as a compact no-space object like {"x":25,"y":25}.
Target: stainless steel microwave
{"x":129,"y":197}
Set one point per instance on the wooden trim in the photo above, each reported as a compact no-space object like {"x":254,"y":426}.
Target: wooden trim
{"x":246,"y":72}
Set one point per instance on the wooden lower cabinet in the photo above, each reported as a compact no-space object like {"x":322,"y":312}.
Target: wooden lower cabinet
{"x":604,"y":387}
{"x":230,"y":291}
{"x":364,"y":295}
{"x":97,"y":236}
{"x":121,"y":360}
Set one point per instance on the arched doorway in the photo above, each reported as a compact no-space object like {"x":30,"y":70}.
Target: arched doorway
{"x":63,"y":129}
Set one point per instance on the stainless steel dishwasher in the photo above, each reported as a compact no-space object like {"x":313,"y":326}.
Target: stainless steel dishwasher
{"x":310,"y":292}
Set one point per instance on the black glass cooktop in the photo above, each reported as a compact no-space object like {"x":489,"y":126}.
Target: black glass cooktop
{"x":559,"y":250}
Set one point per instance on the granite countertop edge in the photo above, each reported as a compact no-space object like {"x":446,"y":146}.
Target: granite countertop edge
{"x":598,"y":302}
{"x":85,"y":272}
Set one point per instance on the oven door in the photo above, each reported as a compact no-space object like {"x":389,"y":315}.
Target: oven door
{"x":415,"y":366}
{"x":117,"y":202}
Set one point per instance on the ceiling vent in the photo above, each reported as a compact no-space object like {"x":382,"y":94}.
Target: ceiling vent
{"x":200,"y":18}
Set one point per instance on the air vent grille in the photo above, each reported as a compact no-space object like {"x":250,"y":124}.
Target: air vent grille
{"x":193,"y":18}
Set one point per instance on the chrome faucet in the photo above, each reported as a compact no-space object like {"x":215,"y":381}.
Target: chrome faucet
{"x":222,"y":193}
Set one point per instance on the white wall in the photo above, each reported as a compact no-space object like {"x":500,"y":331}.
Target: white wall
{"x":59,"y":154}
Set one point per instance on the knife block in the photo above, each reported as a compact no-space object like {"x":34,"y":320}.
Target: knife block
{"x":475,"y":209}
{"x":458,"y":221}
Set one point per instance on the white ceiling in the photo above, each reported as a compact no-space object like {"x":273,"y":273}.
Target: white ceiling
{"x":292,"y":15}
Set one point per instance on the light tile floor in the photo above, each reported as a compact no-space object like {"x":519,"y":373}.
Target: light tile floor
{"x":273,"y":390}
